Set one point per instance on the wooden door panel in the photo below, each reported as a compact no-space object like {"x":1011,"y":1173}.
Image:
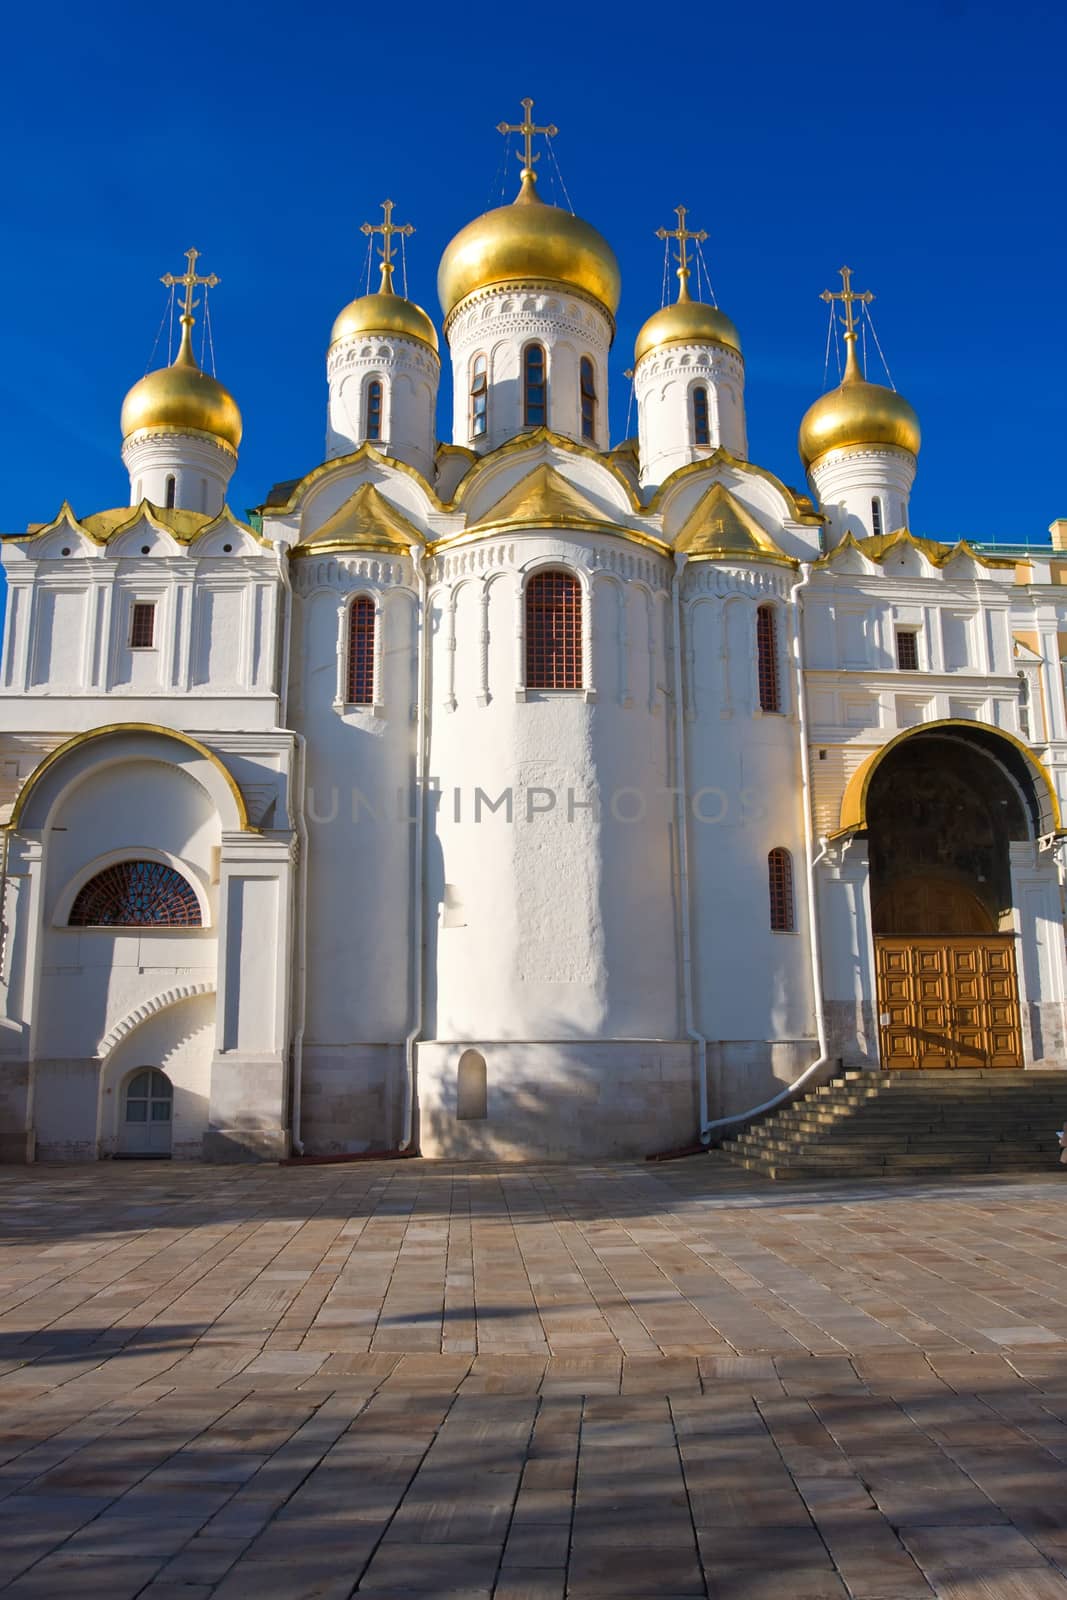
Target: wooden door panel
{"x":948,"y":1002}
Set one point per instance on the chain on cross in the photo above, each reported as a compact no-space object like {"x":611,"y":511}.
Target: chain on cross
{"x":528,"y":128}
{"x":192,"y":280}
{"x":683,"y":236}
{"x":848,"y":296}
{"x":387,"y":229}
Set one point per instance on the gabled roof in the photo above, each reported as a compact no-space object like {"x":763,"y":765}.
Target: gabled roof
{"x":365,"y":521}
{"x":544,"y":499}
{"x":719,"y":527}
{"x":877,"y":546}
{"x":102,"y":527}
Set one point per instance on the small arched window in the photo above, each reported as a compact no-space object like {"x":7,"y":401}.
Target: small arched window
{"x":780,"y":884}
{"x":479,"y":397}
{"x":876,"y":517}
{"x":169,"y":492}
{"x":360,"y":691}
{"x":374,"y":409}
{"x":534,"y":387}
{"x":588,"y":395}
{"x":136,"y":894}
{"x":553,"y":631}
{"x":701,"y":416}
{"x":770,"y":690}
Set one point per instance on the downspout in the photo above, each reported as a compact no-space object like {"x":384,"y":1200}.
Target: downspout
{"x":812,"y":860}
{"x":298,"y":804}
{"x":418,"y":864}
{"x":6,"y":830}
{"x":682,"y":794}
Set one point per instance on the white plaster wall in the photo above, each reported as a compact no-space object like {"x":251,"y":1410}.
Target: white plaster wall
{"x":499,"y":323}
{"x":410,"y":373}
{"x":845,"y":483}
{"x":179,"y":1041}
{"x":663,"y":385}
{"x":200,"y":467}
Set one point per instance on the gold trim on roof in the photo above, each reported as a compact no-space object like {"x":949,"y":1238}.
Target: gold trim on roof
{"x":125,"y":728}
{"x":543,"y":499}
{"x":365,"y":521}
{"x":103,"y":527}
{"x":720,"y":457}
{"x":877,"y":546}
{"x":532,"y":437}
{"x":326,"y":469}
{"x":719,"y":527}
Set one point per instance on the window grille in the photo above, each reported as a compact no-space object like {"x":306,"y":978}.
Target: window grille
{"x":534,"y":387}
{"x":374,"y":409}
{"x":780,"y":881}
{"x":907,"y":650}
{"x":136,"y":894}
{"x":479,"y":397}
{"x":876,"y":517}
{"x":770,"y":692}
{"x":142,"y":626}
{"x":361,"y":652}
{"x":701,"y":416}
{"x":553,"y":631}
{"x":588,"y":388}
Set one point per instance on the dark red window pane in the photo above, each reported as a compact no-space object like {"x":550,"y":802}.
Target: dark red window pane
{"x":361,"y":652}
{"x":136,"y":894}
{"x":780,"y":873}
{"x":143,"y":627}
{"x":770,"y":693}
{"x":553,"y":631}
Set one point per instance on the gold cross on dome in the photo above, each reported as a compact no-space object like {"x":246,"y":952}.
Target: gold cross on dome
{"x":528,"y":128}
{"x":683,"y":236}
{"x":191,"y":280}
{"x":387,"y":229}
{"x":847,"y":295}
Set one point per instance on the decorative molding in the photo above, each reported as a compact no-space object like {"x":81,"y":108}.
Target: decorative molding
{"x":149,"y":1008}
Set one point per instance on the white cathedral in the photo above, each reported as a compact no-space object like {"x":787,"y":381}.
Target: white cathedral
{"x":519,"y":796}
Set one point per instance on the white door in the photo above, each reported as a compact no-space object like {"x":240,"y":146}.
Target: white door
{"x":147,"y":1114}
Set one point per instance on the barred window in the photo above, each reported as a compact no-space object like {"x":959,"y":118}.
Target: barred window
{"x":374,"y":409}
{"x":770,"y":689}
{"x":588,"y":388}
{"x":907,"y":650}
{"x":136,"y":894}
{"x":142,"y":626}
{"x":553,"y":631}
{"x":534,"y":387}
{"x":876,"y":518}
{"x":479,"y":397}
{"x":701,"y":416}
{"x":780,"y":882}
{"x":361,"y":652}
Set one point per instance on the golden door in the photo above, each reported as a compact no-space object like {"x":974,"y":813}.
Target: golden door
{"x":948,"y":1002}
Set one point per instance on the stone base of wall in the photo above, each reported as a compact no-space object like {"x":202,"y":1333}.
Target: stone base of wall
{"x":743,"y":1073}
{"x":569,"y":1101}
{"x":353,"y":1098}
{"x":230,"y":1145}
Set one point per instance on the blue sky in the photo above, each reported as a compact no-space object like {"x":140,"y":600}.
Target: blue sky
{"x":921,"y":144}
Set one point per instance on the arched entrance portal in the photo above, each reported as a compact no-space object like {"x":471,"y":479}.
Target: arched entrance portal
{"x":943,"y":807}
{"x":147,"y":1114}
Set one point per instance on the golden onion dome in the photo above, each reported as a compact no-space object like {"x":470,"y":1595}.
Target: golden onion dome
{"x":686,"y":322}
{"x":182,"y":399}
{"x":857,"y":413}
{"x":385,"y":312}
{"x":529,"y":242}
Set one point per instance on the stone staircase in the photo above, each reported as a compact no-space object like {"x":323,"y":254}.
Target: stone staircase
{"x":887,"y":1124}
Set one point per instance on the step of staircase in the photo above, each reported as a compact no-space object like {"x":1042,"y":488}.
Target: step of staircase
{"x":896,"y":1123}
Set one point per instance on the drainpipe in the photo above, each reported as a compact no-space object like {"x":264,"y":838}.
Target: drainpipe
{"x":418,"y":866}
{"x":682,"y":792}
{"x":812,"y":860}
{"x":298,"y":805}
{"x":4,"y":850}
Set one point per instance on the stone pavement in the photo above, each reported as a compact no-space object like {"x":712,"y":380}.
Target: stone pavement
{"x":421,"y":1379}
